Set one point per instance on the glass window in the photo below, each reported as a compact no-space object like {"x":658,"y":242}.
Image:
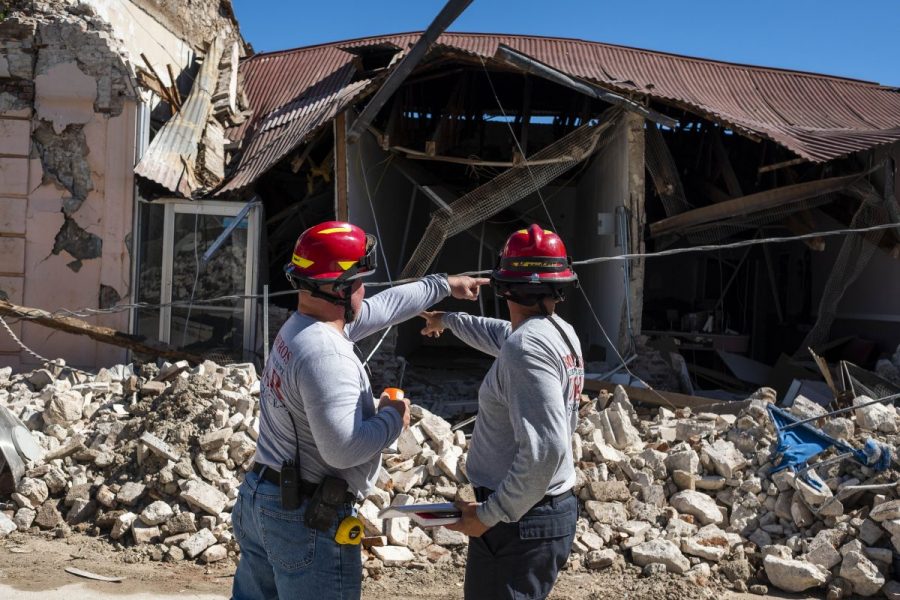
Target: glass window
{"x":203,"y":327}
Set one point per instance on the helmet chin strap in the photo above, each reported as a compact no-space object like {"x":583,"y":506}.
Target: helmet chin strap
{"x":531,"y":296}
{"x":346,"y":301}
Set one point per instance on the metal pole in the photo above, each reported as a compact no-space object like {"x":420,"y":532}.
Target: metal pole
{"x":539,"y":69}
{"x":395,"y":79}
{"x":842,"y":410}
{"x":265,"y":324}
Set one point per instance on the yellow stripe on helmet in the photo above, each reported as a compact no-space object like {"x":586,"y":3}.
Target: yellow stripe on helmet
{"x":346,"y":264}
{"x":301,"y":262}
{"x":342,"y":229}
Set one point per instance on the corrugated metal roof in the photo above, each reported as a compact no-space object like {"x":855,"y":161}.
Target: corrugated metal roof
{"x":818,"y":117}
{"x":170,"y":158}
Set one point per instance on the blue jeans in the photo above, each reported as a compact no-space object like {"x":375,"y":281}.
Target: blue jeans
{"x":520,"y":560}
{"x":283,"y":558}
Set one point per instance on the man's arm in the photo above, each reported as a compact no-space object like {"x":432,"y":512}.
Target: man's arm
{"x":403,"y":302}
{"x":396,"y":305}
{"x":480,"y":333}
{"x":538,"y":414}
{"x":332,"y":397}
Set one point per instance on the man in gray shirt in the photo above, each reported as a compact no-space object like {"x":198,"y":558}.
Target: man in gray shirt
{"x":520,"y":456}
{"x":318,"y":413}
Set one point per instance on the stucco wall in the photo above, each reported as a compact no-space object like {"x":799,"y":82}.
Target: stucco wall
{"x":68,"y":117}
{"x":603,"y":187}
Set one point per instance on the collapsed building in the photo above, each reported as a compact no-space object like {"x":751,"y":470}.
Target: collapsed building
{"x":622,"y":150}
{"x":154,"y":183}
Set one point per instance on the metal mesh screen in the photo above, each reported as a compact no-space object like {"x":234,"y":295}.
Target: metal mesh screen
{"x":863,"y":382}
{"x":661,"y":166}
{"x":506,"y":189}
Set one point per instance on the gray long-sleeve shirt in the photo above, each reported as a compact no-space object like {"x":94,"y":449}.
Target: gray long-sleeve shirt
{"x":314,"y":373}
{"x":527,"y":410}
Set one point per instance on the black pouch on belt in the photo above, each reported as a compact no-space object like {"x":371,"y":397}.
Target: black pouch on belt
{"x":322,"y":510}
{"x":290,"y":486}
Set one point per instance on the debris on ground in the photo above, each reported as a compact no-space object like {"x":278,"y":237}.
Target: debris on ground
{"x":150,"y":458}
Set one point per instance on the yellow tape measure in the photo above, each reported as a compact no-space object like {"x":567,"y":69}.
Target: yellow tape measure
{"x":350,"y":531}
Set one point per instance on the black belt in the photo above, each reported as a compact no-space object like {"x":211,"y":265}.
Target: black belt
{"x":307,"y":488}
{"x":482,"y":494}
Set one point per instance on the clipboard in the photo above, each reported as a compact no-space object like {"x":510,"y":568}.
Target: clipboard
{"x":424,"y":515}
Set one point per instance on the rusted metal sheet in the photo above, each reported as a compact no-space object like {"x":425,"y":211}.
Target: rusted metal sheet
{"x":817,"y":117}
{"x":170,"y":159}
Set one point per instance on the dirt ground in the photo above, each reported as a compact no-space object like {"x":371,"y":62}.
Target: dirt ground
{"x":33,"y":568}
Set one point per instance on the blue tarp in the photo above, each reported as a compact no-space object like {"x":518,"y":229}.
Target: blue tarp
{"x":798,"y":444}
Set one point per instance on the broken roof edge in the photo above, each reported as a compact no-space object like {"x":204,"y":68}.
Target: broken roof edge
{"x":815,"y":142}
{"x":348,"y":41}
{"x":169,"y":160}
{"x":235,"y":184}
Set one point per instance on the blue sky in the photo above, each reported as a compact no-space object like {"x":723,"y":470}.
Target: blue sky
{"x":859,"y":39}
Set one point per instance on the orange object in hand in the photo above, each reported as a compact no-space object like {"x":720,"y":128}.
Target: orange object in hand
{"x":394,"y":393}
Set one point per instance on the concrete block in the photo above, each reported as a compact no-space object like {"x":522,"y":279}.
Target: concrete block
{"x":12,"y":254}
{"x":201,"y":495}
{"x":15,"y":136}
{"x":13,"y":212}
{"x":13,"y":176}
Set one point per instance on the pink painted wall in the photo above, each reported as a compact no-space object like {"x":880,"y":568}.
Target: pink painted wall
{"x":31,"y":207}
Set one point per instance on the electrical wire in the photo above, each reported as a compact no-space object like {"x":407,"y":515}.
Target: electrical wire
{"x":387,"y":268}
{"x":28,"y":350}
{"x":91,"y":312}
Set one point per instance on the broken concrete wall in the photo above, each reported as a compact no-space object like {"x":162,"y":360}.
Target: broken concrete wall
{"x":17,"y":50}
{"x":79,"y":195}
{"x":143,"y":33}
{"x":601,"y":190}
{"x":196,"y":22}
{"x":68,"y":115}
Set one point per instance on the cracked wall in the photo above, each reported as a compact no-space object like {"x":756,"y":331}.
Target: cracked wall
{"x":67,"y":144}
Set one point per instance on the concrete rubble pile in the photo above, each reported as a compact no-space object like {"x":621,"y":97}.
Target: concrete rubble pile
{"x":152,"y":459}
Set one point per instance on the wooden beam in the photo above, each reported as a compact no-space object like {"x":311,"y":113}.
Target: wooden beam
{"x":395,"y":79}
{"x":341,"y":203}
{"x":781,"y":165}
{"x":506,"y":189}
{"x":526,"y":115}
{"x":174,"y":88}
{"x":802,"y":223}
{"x":668,"y":399}
{"x":167,"y":93}
{"x":539,"y":69}
{"x":752,"y":203}
{"x":728,"y":174}
{"x":106,"y":335}
{"x":419,"y":155}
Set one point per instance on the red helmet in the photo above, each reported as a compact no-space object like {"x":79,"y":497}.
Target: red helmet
{"x":534,"y":256}
{"x":330,"y":252}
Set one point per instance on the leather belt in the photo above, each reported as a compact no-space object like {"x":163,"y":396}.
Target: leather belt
{"x":307,"y":488}
{"x":482,"y":494}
